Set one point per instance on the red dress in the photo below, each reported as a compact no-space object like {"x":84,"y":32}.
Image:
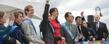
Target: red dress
{"x":56,"y":27}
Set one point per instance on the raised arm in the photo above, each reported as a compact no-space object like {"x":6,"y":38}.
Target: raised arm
{"x":46,"y":13}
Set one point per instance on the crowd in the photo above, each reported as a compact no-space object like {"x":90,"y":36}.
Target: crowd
{"x":21,"y":30}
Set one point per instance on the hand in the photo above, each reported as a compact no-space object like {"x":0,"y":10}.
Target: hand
{"x":30,"y":43}
{"x":17,"y":42}
{"x":82,"y":13}
{"x":76,"y":40}
{"x":42,"y":42}
{"x":81,"y":37}
{"x":62,"y":38}
{"x":104,"y":34}
{"x":93,"y":39}
{"x":103,"y":39}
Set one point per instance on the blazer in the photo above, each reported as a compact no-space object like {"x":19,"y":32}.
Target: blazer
{"x":30,"y":32}
{"x":18,"y":34}
{"x":86,"y":33}
{"x":101,"y":31}
{"x":46,"y":28}
{"x":70,"y":37}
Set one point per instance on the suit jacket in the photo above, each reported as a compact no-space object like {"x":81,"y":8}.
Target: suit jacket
{"x":101,"y":31}
{"x":30,"y":32}
{"x":74,"y":31}
{"x":4,"y":33}
{"x":18,"y":34}
{"x":46,"y":28}
{"x":86,"y":33}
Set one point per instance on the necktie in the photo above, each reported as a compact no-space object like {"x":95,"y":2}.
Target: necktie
{"x":97,"y":25}
{"x":32,"y":25}
{"x":68,"y":30}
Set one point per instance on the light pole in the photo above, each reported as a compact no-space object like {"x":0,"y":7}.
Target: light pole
{"x":98,"y":11}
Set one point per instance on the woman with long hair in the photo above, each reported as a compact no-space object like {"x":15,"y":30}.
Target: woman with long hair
{"x":58,"y":39}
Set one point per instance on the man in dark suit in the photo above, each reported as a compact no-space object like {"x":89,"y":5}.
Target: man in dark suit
{"x":101,"y":29}
{"x":45,"y":26}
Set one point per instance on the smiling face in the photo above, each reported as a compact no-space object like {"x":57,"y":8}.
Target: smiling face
{"x":84,"y":24}
{"x":29,"y":11}
{"x":54,"y":12}
{"x":97,"y":18}
{"x":78,"y":20}
{"x":69,"y":17}
{"x":18,"y":17}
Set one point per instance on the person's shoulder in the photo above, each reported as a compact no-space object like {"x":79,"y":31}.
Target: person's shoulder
{"x":103,"y":23}
{"x":74,"y":25}
{"x":26,"y":21}
{"x":63,"y":24}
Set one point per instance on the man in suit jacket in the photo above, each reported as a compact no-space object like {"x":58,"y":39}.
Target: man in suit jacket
{"x":70,"y":30}
{"x":29,"y":28}
{"x":46,"y":27}
{"x":101,"y":29}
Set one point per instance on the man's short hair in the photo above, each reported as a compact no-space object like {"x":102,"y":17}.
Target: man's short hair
{"x":77,"y":18}
{"x":67,"y":14}
{"x":27,"y":8}
{"x":16,"y":14}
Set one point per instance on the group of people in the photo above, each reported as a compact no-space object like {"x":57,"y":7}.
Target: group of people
{"x":21,"y":30}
